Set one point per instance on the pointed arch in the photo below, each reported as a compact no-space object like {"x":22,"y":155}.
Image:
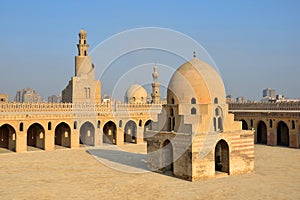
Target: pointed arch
{"x":110,"y":133}
{"x":261,"y":133}
{"x":244,"y":124}
{"x":62,"y":135}
{"x":8,"y":137}
{"x":283,"y":138}
{"x":87,"y":134}
{"x":130,"y":132}
{"x":36,"y":136}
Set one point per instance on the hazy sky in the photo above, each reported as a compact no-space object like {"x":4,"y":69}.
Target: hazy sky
{"x":255,"y":44}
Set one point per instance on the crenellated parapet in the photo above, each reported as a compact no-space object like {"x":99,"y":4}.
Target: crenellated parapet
{"x":75,"y":107}
{"x":267,"y":106}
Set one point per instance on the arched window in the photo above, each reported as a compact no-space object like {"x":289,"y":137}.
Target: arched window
{"x":217,"y":111}
{"x":98,"y":124}
{"x":120,"y":123}
{"x":193,"y":101}
{"x":216,"y":101}
{"x":173,"y":101}
{"x":220,"y":124}
{"x":21,"y":126}
{"x":75,"y":125}
{"x":171,"y":112}
{"x":193,"y":111}
{"x":49,"y":126}
{"x":215,"y":124}
{"x":251,"y":122}
{"x":271,"y":123}
{"x":140,"y":122}
{"x":293,"y":124}
{"x":218,"y":121}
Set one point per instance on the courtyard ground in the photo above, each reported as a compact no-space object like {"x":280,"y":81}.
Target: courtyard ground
{"x":78,"y":174}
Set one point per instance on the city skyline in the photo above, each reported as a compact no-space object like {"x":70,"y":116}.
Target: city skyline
{"x":254,"y":44}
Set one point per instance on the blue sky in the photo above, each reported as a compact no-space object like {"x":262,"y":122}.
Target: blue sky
{"x":255,"y":44}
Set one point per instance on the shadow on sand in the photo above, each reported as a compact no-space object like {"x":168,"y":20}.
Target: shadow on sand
{"x":117,"y":159}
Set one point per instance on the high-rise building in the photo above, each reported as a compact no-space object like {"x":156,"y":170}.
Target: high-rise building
{"x":269,"y":93}
{"x":28,"y":95}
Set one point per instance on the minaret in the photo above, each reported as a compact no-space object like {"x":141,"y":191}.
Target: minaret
{"x":83,"y":63}
{"x":155,"y":86}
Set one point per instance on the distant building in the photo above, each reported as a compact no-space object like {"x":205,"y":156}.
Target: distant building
{"x":240,"y":99}
{"x":54,"y":99}
{"x":28,"y":95}
{"x":229,"y":98}
{"x":269,"y":93}
{"x":280,"y":97}
{"x":106,"y":98}
{"x":3,"y":98}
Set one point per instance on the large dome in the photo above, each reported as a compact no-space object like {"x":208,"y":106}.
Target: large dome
{"x":197,"y":81}
{"x":136,"y":94}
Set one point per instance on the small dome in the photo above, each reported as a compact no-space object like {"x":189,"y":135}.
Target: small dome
{"x":136,"y":94}
{"x":82,"y":32}
{"x":196,"y":80}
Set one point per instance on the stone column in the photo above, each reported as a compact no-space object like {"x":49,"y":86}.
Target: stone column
{"x":293,"y":139}
{"x":74,"y":138}
{"x":140,"y":135}
{"x":120,"y":136}
{"x":21,"y":141}
{"x":272,"y":136}
{"x":98,"y":136}
{"x":49,"y":140}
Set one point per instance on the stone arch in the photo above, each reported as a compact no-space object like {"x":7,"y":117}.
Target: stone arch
{"x":222,"y":157}
{"x":244,"y":124}
{"x":36,"y":136}
{"x":130,"y":132}
{"x":62,"y":135}
{"x":147,"y":126}
{"x":110,"y":133}
{"x":283,"y":134}
{"x":261,"y":133}
{"x":8,"y":137}
{"x":87,"y":134}
{"x":167,"y":157}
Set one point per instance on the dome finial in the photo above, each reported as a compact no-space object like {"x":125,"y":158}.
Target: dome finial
{"x":194,"y":54}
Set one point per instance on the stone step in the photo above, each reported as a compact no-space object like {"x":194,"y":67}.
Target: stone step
{"x":220,"y":174}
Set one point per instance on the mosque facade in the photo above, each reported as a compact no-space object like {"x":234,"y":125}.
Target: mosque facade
{"x":192,"y":135}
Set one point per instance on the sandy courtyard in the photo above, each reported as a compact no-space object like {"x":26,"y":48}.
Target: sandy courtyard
{"x":76,"y":174}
